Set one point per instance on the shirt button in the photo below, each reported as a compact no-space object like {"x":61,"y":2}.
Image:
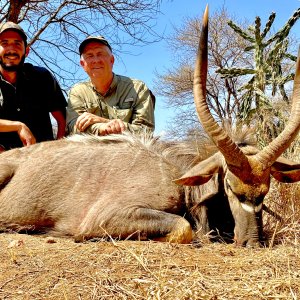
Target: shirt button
{"x":18,"y":109}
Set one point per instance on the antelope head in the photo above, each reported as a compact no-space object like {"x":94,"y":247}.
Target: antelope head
{"x":245,"y":171}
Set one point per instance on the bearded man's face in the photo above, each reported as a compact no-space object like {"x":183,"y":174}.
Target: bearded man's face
{"x":12,"y":50}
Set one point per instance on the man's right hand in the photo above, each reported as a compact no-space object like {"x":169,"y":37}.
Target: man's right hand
{"x":25,"y":135}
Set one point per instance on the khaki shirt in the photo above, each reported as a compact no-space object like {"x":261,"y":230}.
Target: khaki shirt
{"x":127,"y":99}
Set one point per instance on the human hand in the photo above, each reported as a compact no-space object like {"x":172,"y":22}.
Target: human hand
{"x":26,"y":135}
{"x":86,"y":119}
{"x":113,"y":126}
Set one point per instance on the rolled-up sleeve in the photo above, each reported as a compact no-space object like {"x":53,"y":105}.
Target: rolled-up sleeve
{"x":143,"y":112}
{"x":75,"y":108}
{"x":77,"y":105}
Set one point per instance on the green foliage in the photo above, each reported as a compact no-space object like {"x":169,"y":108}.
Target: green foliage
{"x":267,"y":71}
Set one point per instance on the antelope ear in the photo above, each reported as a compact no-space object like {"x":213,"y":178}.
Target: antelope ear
{"x":202,"y":172}
{"x":285,"y":170}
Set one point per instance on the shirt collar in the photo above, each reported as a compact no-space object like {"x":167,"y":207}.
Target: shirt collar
{"x":112,"y":87}
{"x":21,"y":74}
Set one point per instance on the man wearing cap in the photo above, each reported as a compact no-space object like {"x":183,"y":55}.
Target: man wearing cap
{"x":107,"y":103}
{"x":27,"y":94}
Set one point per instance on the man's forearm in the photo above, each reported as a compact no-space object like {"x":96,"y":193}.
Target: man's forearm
{"x":61,"y":123}
{"x":9,"y":126}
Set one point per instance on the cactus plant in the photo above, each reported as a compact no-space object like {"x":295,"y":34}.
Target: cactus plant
{"x":268,"y":55}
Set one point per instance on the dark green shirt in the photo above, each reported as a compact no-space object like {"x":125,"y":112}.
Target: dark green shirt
{"x":35,"y":94}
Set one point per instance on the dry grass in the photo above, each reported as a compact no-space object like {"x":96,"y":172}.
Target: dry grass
{"x":36,"y":267}
{"x":284,"y":199}
{"x":33,"y":268}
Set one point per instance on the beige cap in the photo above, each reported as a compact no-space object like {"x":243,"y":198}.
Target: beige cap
{"x":15,"y":27}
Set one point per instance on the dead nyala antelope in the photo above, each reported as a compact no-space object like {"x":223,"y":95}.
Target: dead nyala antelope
{"x":127,"y":186}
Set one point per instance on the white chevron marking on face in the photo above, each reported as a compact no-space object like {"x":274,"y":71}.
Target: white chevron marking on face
{"x":251,"y":209}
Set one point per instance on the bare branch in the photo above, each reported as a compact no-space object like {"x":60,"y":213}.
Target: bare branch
{"x":176,"y":84}
{"x":55,"y":28}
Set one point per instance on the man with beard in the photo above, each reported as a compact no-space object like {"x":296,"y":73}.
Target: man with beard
{"x":27,"y":94}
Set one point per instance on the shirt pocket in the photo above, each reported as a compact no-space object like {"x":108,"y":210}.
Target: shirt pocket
{"x":123,"y":114}
{"x":92,"y":107}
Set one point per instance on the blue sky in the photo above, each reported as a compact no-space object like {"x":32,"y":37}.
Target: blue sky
{"x":143,"y":61}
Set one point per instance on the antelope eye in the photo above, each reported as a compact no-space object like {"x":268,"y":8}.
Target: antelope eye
{"x":259,"y":200}
{"x":242,"y":198}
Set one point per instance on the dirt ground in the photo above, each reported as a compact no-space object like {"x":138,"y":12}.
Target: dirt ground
{"x":36,"y":267}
